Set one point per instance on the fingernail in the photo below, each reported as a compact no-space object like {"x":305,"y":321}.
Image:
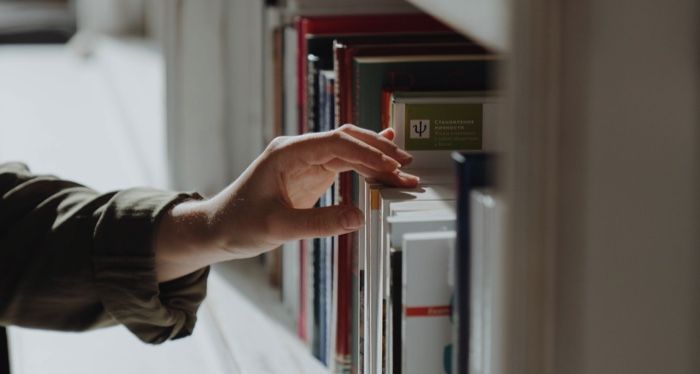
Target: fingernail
{"x":408,"y":177}
{"x":403,"y":154}
{"x":351,"y":219}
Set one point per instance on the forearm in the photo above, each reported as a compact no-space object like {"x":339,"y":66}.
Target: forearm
{"x":74,"y":259}
{"x":185,"y":241}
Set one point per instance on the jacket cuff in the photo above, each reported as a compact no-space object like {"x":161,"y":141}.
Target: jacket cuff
{"x":125,"y":273}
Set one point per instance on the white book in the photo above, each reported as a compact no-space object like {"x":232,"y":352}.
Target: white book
{"x":487,"y":283}
{"x":290,"y":277}
{"x":369,"y":204}
{"x":426,"y":295}
{"x":403,"y":223}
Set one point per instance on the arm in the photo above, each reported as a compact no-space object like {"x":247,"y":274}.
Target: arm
{"x":74,"y":259}
{"x":272,"y":201}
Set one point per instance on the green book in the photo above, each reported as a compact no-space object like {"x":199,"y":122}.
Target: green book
{"x":431,"y":125}
{"x":373,"y":75}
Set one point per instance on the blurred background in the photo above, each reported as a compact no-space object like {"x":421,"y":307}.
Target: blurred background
{"x":83,"y":96}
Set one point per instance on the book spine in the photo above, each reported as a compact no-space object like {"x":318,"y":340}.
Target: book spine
{"x":341,"y":80}
{"x":472,"y":172}
{"x":396,"y":310}
{"x":301,"y":26}
{"x":344,"y":323}
{"x":311,"y":109}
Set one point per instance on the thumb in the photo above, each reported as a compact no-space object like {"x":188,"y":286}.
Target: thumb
{"x":294,"y":224}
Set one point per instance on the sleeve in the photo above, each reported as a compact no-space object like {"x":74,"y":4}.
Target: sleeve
{"x":73,"y":259}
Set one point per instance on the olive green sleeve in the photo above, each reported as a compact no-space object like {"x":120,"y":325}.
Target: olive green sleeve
{"x":73,"y":259}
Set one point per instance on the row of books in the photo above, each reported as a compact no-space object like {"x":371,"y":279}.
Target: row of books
{"x":380,"y":300}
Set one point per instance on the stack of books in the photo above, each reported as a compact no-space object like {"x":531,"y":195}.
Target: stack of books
{"x":382,"y":300}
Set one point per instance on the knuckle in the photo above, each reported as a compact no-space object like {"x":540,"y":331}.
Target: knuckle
{"x":337,"y":135}
{"x":346,"y":127}
{"x":388,"y":143}
{"x":375,"y":156}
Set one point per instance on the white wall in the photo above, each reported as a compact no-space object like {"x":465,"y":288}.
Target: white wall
{"x":214,"y":110}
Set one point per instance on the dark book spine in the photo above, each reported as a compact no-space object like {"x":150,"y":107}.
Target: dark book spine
{"x":473,"y":171}
{"x":396,"y":304}
{"x":4,"y":352}
{"x":311,"y":113}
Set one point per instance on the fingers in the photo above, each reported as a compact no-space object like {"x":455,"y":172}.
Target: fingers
{"x":293,"y":224}
{"x":380,"y":141}
{"x":323,"y":148}
{"x":388,"y":133}
{"x":395,"y":178}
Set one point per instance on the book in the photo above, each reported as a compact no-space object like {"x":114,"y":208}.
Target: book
{"x":322,"y":53}
{"x":488,"y":291}
{"x":373,"y":74}
{"x":474,"y":170}
{"x":290,"y":89}
{"x":345,"y":51}
{"x":290,"y":277}
{"x":431,"y":125}
{"x":425,"y":302}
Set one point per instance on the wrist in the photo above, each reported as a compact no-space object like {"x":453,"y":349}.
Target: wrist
{"x":183,"y":240}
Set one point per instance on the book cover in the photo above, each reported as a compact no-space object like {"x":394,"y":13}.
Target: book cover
{"x":432,"y":125}
{"x":425,"y":313}
{"x":345,"y":51}
{"x":488,"y":290}
{"x":413,"y":73}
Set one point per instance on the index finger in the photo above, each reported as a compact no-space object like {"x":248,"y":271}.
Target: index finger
{"x":378,"y":141}
{"x":320,"y":149}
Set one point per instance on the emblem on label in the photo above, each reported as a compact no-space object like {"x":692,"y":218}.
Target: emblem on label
{"x":420,"y":129}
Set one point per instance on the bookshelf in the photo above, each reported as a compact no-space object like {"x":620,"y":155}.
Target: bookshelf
{"x":487,"y":21}
{"x":572,"y":167}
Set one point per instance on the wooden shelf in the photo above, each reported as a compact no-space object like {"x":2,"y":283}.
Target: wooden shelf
{"x":486,"y":21}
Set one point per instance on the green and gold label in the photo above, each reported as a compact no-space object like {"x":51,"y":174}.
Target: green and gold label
{"x":443,"y":127}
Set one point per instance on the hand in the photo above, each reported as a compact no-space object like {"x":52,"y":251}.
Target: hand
{"x":272,"y":201}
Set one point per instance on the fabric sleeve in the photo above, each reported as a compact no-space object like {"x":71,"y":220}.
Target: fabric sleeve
{"x":73,"y":259}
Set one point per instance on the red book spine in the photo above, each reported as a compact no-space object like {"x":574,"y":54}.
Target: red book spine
{"x":344,"y":325}
{"x":301,"y":72}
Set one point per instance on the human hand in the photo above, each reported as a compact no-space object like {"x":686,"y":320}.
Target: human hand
{"x":272,"y":201}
